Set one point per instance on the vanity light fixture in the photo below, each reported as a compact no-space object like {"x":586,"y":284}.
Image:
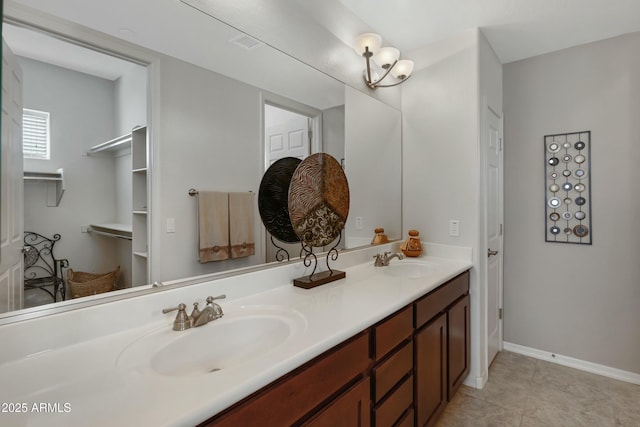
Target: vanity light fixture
{"x":386,"y":58}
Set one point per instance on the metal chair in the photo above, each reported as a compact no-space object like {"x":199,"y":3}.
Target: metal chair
{"x":41,"y":267}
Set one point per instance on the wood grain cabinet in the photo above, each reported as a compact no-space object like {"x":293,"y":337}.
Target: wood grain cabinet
{"x":392,"y":374}
{"x":441,"y":347}
{"x":400,"y":372}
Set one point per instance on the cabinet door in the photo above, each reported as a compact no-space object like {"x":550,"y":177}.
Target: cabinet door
{"x":459,"y":350}
{"x":430,"y":344}
{"x":352,"y":409}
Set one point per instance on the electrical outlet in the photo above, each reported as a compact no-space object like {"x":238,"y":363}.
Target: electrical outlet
{"x":358,"y":223}
{"x":454,"y":227}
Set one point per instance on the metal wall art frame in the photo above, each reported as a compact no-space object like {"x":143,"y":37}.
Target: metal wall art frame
{"x":567,"y":174}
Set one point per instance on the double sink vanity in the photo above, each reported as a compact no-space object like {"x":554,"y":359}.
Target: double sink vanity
{"x":384,"y":346}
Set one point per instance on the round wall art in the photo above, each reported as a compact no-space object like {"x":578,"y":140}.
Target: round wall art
{"x":318,"y":200}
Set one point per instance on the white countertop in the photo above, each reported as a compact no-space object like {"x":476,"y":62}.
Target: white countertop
{"x":81,"y":384}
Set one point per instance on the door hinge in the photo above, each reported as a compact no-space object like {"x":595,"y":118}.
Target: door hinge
{"x":501,"y":229}
{"x":499,"y":314}
{"x":499,"y":144}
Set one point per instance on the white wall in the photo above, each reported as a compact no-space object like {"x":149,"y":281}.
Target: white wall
{"x":373,"y":132}
{"x":131,"y":99}
{"x":440,"y":162}
{"x":575,"y":300}
{"x":82,"y":115}
{"x":206,"y":119}
{"x":333,"y":131}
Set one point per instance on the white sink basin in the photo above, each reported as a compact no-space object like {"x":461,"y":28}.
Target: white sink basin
{"x":408,"y":269}
{"x":238,"y":337}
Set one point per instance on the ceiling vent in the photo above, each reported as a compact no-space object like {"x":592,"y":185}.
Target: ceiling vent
{"x":246,"y":42}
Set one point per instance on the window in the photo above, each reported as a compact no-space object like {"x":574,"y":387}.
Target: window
{"x":35,"y":134}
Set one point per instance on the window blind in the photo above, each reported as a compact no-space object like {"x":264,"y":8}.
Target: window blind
{"x":35,"y":134}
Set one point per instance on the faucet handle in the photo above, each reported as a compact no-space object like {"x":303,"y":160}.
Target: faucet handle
{"x":211,"y":299}
{"x":195,"y":313}
{"x":181,"y":321}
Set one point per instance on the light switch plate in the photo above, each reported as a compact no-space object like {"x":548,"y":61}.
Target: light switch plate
{"x":171,"y":225}
{"x":454,"y":227}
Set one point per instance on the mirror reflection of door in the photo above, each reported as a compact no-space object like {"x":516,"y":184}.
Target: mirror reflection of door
{"x":287,"y":134}
{"x":11,"y":206}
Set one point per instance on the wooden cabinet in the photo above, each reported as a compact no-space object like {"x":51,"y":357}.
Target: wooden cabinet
{"x":392,"y":380}
{"x":307,"y":391}
{"x":431,"y":370}
{"x":399,"y":372}
{"x":442,"y":347}
{"x":459,"y":343}
{"x":349,"y":409}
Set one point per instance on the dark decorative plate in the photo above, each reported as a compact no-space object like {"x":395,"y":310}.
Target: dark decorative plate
{"x":318,"y":200}
{"x":273,"y":199}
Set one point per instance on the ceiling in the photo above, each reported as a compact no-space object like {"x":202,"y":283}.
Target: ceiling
{"x":516,"y":29}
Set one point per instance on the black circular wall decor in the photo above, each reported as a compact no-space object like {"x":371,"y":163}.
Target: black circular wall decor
{"x":273,"y":199}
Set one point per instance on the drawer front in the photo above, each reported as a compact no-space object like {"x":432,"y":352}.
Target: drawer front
{"x":288,"y":400}
{"x":350,"y":409}
{"x":432,"y":304}
{"x":391,"y":410}
{"x":406,"y":420}
{"x":392,"y":332}
{"x":392,"y":370}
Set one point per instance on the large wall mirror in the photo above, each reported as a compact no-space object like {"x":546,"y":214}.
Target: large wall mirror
{"x":207,"y":94}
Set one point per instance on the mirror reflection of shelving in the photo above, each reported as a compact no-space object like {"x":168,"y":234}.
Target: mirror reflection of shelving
{"x":136,"y":230}
{"x":140,"y":206}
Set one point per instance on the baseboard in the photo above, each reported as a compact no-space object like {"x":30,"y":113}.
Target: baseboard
{"x":476,"y":382}
{"x":583,"y":365}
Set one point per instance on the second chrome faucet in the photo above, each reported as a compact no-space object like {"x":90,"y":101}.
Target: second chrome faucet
{"x":212,"y":311}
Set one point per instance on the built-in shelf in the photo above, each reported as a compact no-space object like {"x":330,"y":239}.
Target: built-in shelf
{"x":112,"y":145}
{"x":118,"y":231}
{"x":141,"y":254}
{"x":54,"y":182}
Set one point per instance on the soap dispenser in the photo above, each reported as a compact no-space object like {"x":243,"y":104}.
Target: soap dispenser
{"x":380,"y":237}
{"x":412,"y":247}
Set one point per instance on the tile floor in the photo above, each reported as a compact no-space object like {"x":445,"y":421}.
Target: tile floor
{"x":526,"y":392}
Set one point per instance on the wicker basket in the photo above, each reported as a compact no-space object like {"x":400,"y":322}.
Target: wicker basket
{"x":82,"y":284}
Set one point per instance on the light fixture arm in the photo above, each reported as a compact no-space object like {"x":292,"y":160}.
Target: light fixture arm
{"x":367,"y":77}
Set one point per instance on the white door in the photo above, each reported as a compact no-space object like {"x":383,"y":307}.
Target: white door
{"x":494,"y":233}
{"x":288,"y":139}
{"x":12,"y":203}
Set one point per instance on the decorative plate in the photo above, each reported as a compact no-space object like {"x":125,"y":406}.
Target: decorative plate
{"x":554,"y":216}
{"x":580,"y":215}
{"x":554,"y":147}
{"x":318,"y":200}
{"x":273,"y":199}
{"x":553,"y":161}
{"x":579,"y":145}
{"x":554,"y":202}
{"x":581,"y":230}
{"x":580,"y":173}
{"x":579,"y":187}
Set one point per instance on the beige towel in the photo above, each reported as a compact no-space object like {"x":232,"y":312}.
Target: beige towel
{"x":241,"y":224}
{"x":213,"y":226}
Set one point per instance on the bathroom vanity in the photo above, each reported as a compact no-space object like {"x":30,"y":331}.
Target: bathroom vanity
{"x":380,"y":347}
{"x":407,"y":365}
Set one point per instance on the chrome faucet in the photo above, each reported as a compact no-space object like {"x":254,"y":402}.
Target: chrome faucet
{"x":383,"y":260}
{"x":212,"y":311}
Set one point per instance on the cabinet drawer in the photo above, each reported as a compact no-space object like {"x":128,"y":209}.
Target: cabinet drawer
{"x":392,"y":332}
{"x":289,"y":399}
{"x":391,"y":410}
{"x":392,"y":370}
{"x":352,"y":408}
{"x":441,"y":298}
{"x":406,"y":420}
